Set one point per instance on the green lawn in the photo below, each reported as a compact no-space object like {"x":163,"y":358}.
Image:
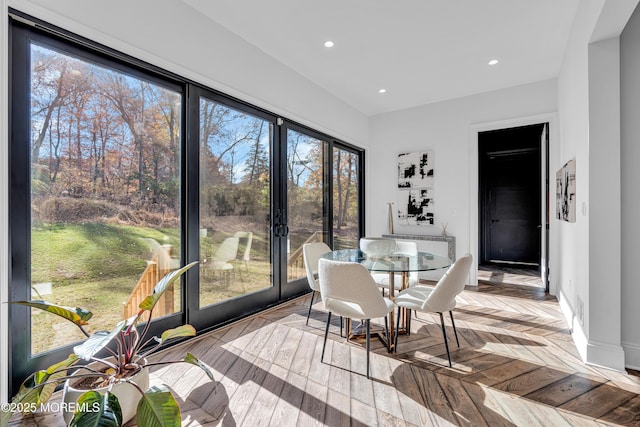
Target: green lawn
{"x":93,"y":266}
{"x":68,"y":254}
{"x":96,"y":266}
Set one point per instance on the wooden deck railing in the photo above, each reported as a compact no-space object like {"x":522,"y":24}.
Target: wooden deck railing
{"x":150,"y":277}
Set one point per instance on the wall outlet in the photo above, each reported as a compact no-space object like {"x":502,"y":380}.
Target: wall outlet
{"x":580,"y":310}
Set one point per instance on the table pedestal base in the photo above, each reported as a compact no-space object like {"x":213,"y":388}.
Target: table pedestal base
{"x":359,"y":332}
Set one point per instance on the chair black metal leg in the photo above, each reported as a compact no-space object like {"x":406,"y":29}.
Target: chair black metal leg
{"x":368,"y":323}
{"x":386,"y":333}
{"x":326,"y":332}
{"x":395,"y":344}
{"x":454,"y":327}
{"x":444,"y":334}
{"x":408,"y":324}
{"x":313,"y":294}
{"x":341,"y":325}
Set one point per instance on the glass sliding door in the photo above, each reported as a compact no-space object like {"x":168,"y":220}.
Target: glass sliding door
{"x":346,"y":198}
{"x":235,"y":203}
{"x":306,"y":208}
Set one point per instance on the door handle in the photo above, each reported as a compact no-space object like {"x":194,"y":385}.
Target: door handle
{"x":495,"y":220}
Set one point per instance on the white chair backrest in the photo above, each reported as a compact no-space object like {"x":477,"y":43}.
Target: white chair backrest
{"x":351,"y":282}
{"x":406,"y":247}
{"x":248,"y":236}
{"x":311,"y":253}
{"x":449,"y":286}
{"x":158,"y":252}
{"x":227,"y":250}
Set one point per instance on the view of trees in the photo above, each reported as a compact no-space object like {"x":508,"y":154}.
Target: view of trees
{"x":345,"y":199}
{"x":234,"y":163}
{"x":110,"y":137}
{"x":105,"y":178}
{"x":102,"y":135}
{"x":106,"y":158}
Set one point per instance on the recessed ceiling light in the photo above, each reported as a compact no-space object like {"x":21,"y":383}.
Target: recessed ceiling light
{"x":493,"y":62}
{"x":329,"y":43}
{"x":382,"y":91}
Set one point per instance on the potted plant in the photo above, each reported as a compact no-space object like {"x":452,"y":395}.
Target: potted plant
{"x":125,"y":366}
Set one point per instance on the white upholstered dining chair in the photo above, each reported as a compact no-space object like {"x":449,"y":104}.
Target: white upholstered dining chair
{"x":403,"y":247}
{"x":347,"y":289}
{"x":438,"y":299}
{"x":245,"y":237}
{"x":222,"y":254}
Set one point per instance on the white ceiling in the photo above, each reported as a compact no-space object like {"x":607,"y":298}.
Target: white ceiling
{"x":420,"y":51}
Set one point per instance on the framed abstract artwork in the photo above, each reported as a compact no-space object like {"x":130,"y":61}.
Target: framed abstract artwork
{"x":566,"y":192}
{"x":415,"y":181}
{"x":416,"y":207}
{"x":415,"y":170}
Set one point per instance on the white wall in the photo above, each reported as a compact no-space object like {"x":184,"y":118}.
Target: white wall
{"x":171,"y":35}
{"x":589,"y":113}
{"x":604,"y":216}
{"x":588,"y":105}
{"x":568,"y":264}
{"x":448,"y":128}
{"x":630,"y":177}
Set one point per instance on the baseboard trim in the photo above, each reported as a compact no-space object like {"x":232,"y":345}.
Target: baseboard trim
{"x":606,"y":355}
{"x":631,"y":355}
{"x":593,"y":352}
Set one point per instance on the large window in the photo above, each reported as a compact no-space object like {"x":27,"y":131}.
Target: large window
{"x":118,"y":177}
{"x":105,"y":191}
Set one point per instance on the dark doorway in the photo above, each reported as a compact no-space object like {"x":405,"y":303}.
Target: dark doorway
{"x":510,"y":196}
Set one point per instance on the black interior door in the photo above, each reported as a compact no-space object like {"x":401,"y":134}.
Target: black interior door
{"x":511,"y":196}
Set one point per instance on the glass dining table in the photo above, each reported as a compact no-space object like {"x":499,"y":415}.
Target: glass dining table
{"x":393,"y":264}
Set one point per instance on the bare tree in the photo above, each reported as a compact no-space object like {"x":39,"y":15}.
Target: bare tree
{"x":54,"y":79}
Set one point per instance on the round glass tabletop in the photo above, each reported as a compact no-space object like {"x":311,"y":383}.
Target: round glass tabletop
{"x":423,"y":261}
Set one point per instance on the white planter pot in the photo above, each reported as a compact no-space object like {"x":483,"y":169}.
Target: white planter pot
{"x":128,"y":396}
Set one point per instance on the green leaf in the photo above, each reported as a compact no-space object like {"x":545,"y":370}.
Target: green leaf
{"x":32,"y":390}
{"x":190,"y":358}
{"x":97,"y":342}
{"x":78,"y":316}
{"x":94,"y":409}
{"x":150,"y":301}
{"x":158,"y":408}
{"x":5,"y":416}
{"x":180,"y":331}
{"x":56,"y":373}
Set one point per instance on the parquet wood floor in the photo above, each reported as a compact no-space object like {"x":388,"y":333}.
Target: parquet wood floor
{"x":508,"y":275}
{"x":516,"y":366}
